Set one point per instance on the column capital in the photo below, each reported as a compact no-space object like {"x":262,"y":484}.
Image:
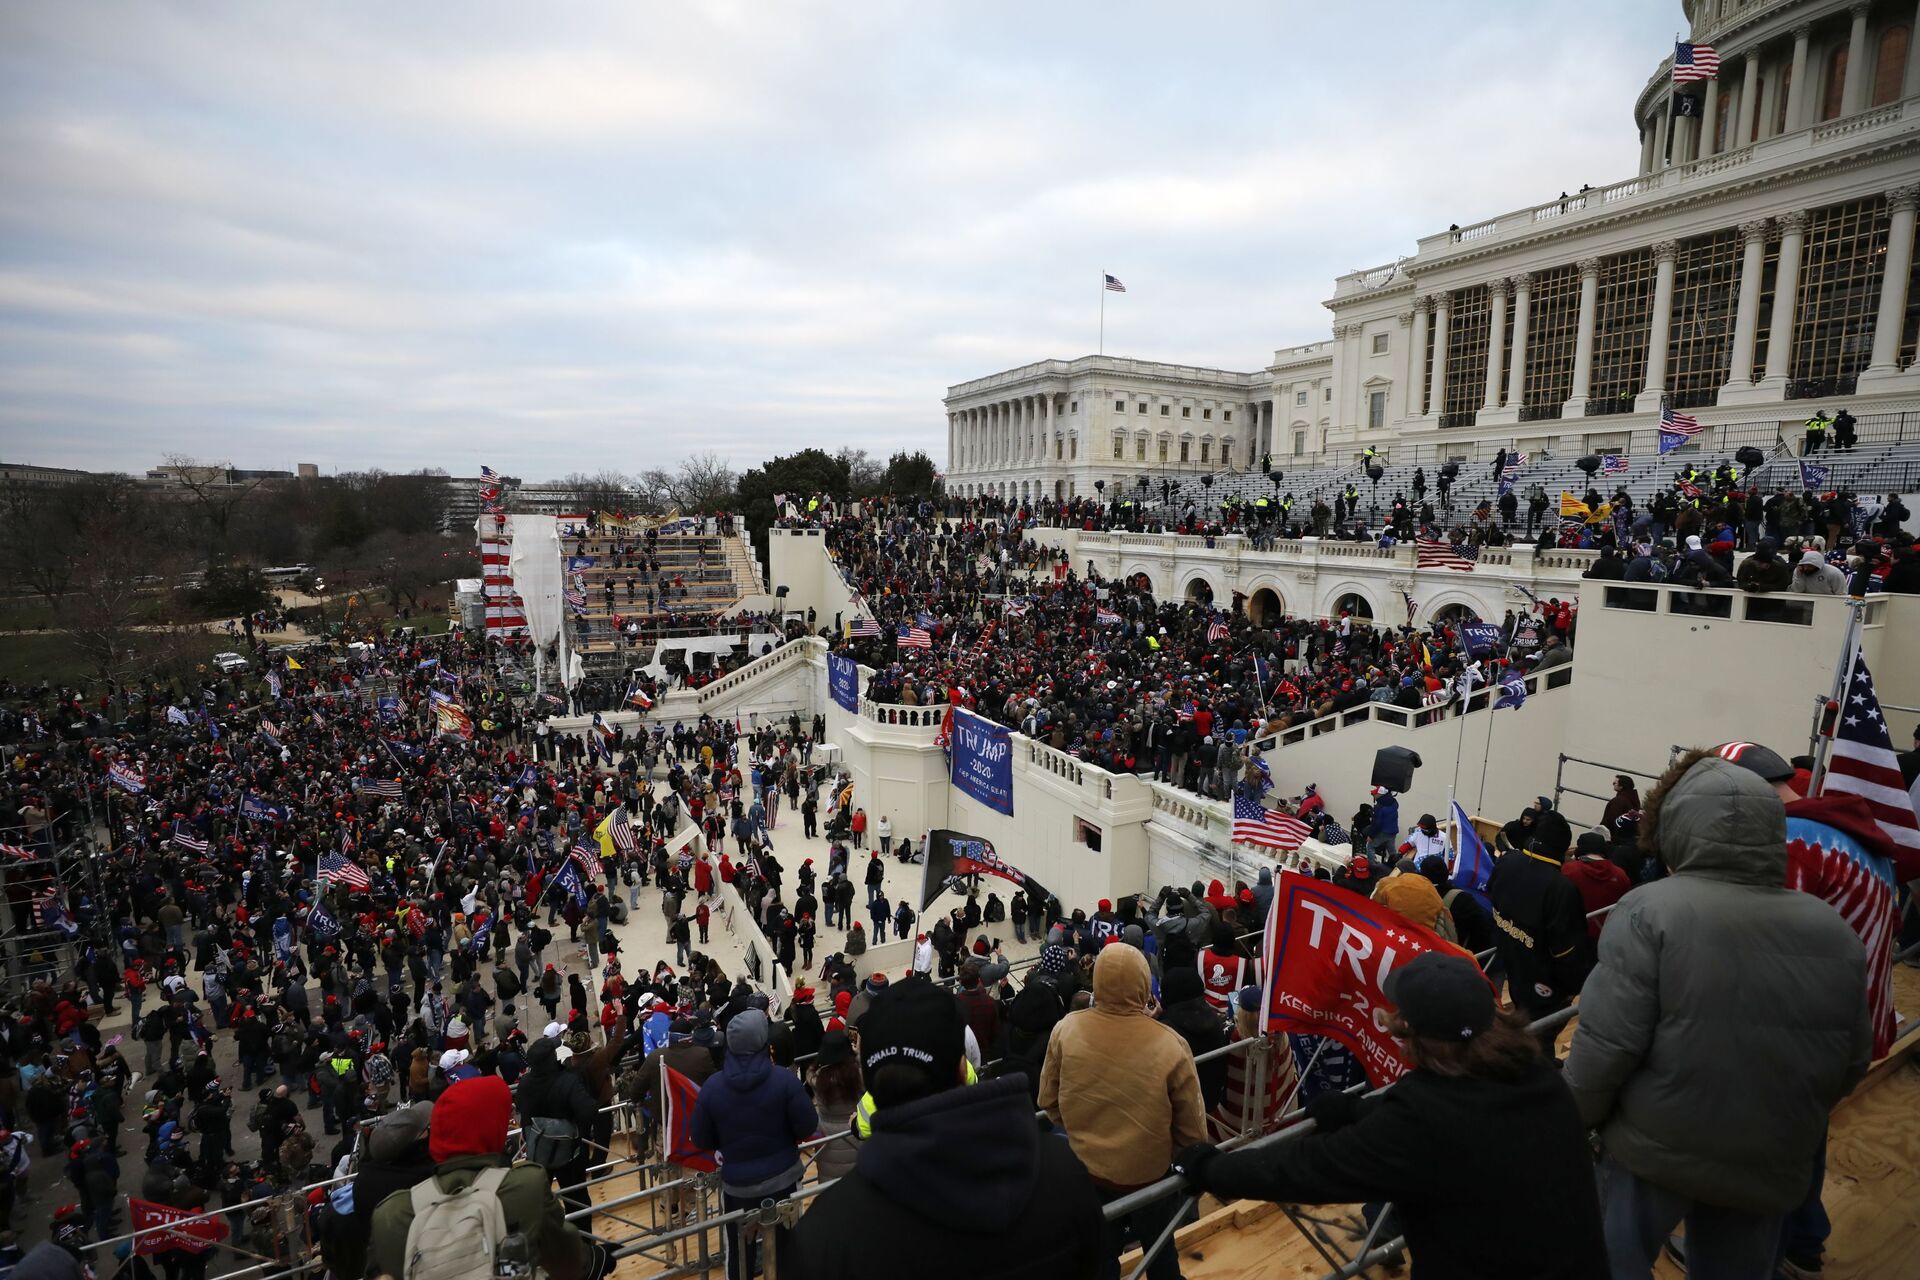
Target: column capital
{"x":1405,"y":319}
{"x":1859,"y":9}
{"x":1497,"y":287}
{"x":1803,"y":32}
{"x":1666,"y":250}
{"x":1522,"y":281}
{"x":1588,"y":267}
{"x":1793,"y":223}
{"x":1754,"y":229}
{"x":1422,"y":303}
{"x":1906,"y":197}
{"x":1442,"y":302}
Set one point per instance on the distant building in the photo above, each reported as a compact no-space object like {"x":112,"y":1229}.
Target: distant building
{"x":308,"y":470}
{"x":27,"y":474}
{"x":215,"y":473}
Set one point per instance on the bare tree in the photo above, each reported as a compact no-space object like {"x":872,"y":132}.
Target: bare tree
{"x":109,"y":610}
{"x":865,"y":474}
{"x":213,"y":495}
{"x":704,"y":483}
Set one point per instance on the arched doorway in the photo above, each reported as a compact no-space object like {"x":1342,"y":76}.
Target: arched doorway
{"x":1455,"y":615}
{"x":1199,"y":592}
{"x":1356,"y":604}
{"x":1264,"y":607}
{"x":1141,"y":582}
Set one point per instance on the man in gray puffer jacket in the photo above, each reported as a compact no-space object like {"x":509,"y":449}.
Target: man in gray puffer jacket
{"x":1726,"y":1018}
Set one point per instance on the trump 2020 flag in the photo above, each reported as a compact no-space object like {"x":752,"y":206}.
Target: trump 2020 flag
{"x":678,"y":1094}
{"x":1513,"y":692}
{"x":1471,"y":863}
{"x":983,"y":761}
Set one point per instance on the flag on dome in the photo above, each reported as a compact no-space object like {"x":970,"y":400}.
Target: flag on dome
{"x":1114,"y":285}
{"x":1693,"y":62}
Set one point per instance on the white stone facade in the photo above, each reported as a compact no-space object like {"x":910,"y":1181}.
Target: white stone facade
{"x":1759,"y":266}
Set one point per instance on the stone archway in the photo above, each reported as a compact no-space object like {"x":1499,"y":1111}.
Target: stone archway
{"x":1352,"y":602}
{"x":1199,"y":591}
{"x":1265,"y":608}
{"x":1454,"y":613}
{"x":1141,"y":580}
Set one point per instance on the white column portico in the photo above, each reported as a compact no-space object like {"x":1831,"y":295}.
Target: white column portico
{"x":1883,"y":367}
{"x":1582,"y":388}
{"x":1521,"y":286}
{"x":1660,"y":332}
{"x":1416,"y":379}
{"x":1786,"y":296}
{"x":1746,"y":317}
{"x":1797,"y":83}
{"x":1853,"y":95}
{"x":1496,"y":342}
{"x":1437,"y":385}
{"x":1709,"y":121}
{"x":1749,"y":100}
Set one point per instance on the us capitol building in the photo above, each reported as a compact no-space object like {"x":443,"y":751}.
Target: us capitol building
{"x":1759,"y":266}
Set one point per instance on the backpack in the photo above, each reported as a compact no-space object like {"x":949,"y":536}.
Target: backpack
{"x":454,"y":1234}
{"x":1444,"y":926}
{"x":550,"y":1141}
{"x":257,"y":1117}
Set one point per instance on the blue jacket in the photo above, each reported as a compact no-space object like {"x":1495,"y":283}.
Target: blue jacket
{"x":1386,"y":816}
{"x":755,"y":1115}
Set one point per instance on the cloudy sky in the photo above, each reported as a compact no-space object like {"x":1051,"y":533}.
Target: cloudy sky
{"x":559,"y":237}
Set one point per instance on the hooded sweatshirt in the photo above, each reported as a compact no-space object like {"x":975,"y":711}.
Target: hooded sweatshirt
{"x":1815,"y":577}
{"x":1720,"y":969}
{"x":754,"y":1115}
{"x":1122,"y":1085}
{"x":965,"y":1184}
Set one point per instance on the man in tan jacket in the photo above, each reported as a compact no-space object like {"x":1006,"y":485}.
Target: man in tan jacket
{"x":1124,"y":1088}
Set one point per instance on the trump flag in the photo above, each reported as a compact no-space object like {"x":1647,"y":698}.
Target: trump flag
{"x":1332,"y":950}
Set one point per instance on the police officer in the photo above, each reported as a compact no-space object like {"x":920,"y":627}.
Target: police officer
{"x":1816,"y":431}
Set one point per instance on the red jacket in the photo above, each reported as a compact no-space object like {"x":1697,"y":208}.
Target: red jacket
{"x":1601,"y":884}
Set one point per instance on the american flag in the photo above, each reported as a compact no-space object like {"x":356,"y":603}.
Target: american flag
{"x":338,"y":868}
{"x":1411,"y":606}
{"x":1431,"y":553}
{"x":589,"y":859}
{"x":1694,"y":62}
{"x":1217,"y":630}
{"x":187,"y":838}
{"x":620,"y":831}
{"x":1862,"y":761}
{"x":1687,"y":488}
{"x":16,"y":851}
{"x":488,"y":474}
{"x":1679,"y":424}
{"x":864,"y":627}
{"x":1114,"y":285}
{"x":1614,"y":464}
{"x":1254,"y":823}
{"x":914,"y":638}
{"x":1333,"y":833}
{"x":1515,"y":461}
{"x":389,"y":787}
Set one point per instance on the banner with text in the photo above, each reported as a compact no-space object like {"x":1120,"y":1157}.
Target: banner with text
{"x":954,"y":856}
{"x":843,"y":682}
{"x":164,"y":1227}
{"x":1333,"y":950}
{"x":983,"y":760}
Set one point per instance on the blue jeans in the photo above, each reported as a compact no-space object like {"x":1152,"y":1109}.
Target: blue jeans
{"x":1638,"y":1216}
{"x":1803,"y":1237}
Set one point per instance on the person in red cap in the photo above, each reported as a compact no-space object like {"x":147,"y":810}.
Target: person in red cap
{"x":468,"y":1142}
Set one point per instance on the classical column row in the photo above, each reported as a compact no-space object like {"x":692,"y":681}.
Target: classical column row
{"x":1007,"y":433}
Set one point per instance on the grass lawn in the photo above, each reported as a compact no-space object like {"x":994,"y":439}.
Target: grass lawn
{"x":29,"y":659}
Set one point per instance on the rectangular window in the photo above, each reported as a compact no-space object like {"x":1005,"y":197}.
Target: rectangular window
{"x":1553,"y":331}
{"x":1119,"y":448}
{"x":1206,"y":447}
{"x":1059,"y":450}
{"x":1186,"y":411}
{"x":1206,"y":415}
{"x":1840,"y":273}
{"x":1143,"y":407}
{"x":1299,"y":397}
{"x":1376,"y":410}
{"x":1073,"y":447}
{"x":1328,"y":396}
{"x":1119,"y":406}
{"x":1163,"y":451}
{"x":1299,"y":444}
{"x":1183,"y":450}
{"x":1380,"y":344}
{"x":1073,"y":406}
{"x":1226,"y":453}
{"x":1140,"y":449}
{"x":1226,"y":415}
{"x":1166,"y":411}
{"x":1635,"y":598}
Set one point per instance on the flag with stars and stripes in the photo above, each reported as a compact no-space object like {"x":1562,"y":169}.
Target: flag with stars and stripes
{"x":187,"y":838}
{"x":589,"y":859}
{"x":1693,"y":62}
{"x":1614,"y":464}
{"x":1676,"y":429}
{"x":389,"y":787}
{"x":1254,"y":823}
{"x":1432,"y":553}
{"x":1114,"y":286}
{"x":1217,"y":630}
{"x":913,"y":638}
{"x":1862,"y":761}
{"x":863,"y":627}
{"x":337,"y":868}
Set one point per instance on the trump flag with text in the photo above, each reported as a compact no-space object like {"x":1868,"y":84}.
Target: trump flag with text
{"x":1332,"y":951}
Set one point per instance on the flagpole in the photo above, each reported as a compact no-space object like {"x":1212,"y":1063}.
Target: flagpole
{"x":1842,"y":671}
{"x":1481,"y":800}
{"x":1103,"y":313}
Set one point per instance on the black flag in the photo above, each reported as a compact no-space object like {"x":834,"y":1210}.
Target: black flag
{"x":1686,"y":105}
{"x":954,"y":855}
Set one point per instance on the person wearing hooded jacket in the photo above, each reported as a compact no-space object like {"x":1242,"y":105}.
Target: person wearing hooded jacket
{"x":1716,"y":968}
{"x":956,"y":1175}
{"x":1184,"y":1006}
{"x":1764,"y":570}
{"x":1813,"y":576}
{"x":755,"y":1117}
{"x":550,"y":1090}
{"x":468,"y":1137}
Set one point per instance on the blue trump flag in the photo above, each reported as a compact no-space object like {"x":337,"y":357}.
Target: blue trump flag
{"x":1513,"y":692}
{"x":983,"y":760}
{"x":321,"y":924}
{"x":568,"y":879}
{"x":1481,"y":638}
{"x":843,"y":680}
{"x":1472,"y":864}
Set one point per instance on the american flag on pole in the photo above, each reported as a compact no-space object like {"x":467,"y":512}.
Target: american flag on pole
{"x":1863,"y":763}
{"x":589,"y":859}
{"x":864,"y":627}
{"x":1676,"y":429}
{"x":488,"y":474}
{"x":1217,"y":630}
{"x":187,"y":838}
{"x":1431,"y":553}
{"x":1694,"y":62}
{"x":1411,"y":606}
{"x":1114,"y":285}
{"x":1615,"y":464}
{"x":620,"y":831}
{"x":1254,"y":823}
{"x":389,"y":787}
{"x":1515,"y":461}
{"x":339,"y":869}
{"x":913,"y":638}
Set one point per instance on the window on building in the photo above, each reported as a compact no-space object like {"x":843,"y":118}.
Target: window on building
{"x":1073,"y":406}
{"x":1206,"y":447}
{"x":1073,"y":446}
{"x":1166,"y":411}
{"x":1299,"y":397}
{"x":1890,"y":64}
{"x":1163,"y":451}
{"x":1327,"y":395}
{"x":1553,"y":329}
{"x":1206,"y":415}
{"x":1186,"y":411}
{"x":1700,"y":345}
{"x":1119,"y":446}
{"x":1836,"y":82}
{"x":1376,"y":410}
{"x":1226,"y":454}
{"x":1780,"y":107}
{"x":1380,"y":344}
{"x":1059,"y":450}
{"x":1119,"y":406}
{"x":1840,"y":272}
{"x":1469,"y":326}
{"x":1621,"y":323}
{"x":1140,"y":449}
{"x":1143,"y":406}
{"x":1184,"y":446}
{"x":1226,"y":415}
{"x":1299,"y":444}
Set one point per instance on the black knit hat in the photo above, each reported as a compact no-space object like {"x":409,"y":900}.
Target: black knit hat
{"x":913,"y":1024}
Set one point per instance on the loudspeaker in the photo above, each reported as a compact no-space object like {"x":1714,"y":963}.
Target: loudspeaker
{"x":1393,"y":768}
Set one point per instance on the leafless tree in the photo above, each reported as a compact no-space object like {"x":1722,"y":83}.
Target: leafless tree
{"x":704,"y":483}
{"x":213,"y":497}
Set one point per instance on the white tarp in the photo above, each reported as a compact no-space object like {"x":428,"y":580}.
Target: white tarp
{"x":535,"y":564}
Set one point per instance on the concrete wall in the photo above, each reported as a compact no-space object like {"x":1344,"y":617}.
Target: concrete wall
{"x":797,"y":559}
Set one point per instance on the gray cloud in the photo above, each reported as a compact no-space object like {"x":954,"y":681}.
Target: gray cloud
{"x":610,"y":234}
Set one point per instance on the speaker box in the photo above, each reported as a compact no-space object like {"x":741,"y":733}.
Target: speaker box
{"x":1393,"y":768}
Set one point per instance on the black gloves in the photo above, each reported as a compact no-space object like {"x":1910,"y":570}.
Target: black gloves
{"x":1332,"y":1111}
{"x":1192,"y":1163}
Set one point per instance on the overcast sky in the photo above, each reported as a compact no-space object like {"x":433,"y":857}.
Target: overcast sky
{"x":559,"y":237}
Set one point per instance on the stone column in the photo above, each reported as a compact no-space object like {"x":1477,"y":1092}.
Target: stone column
{"x":1797,"y":85}
{"x":1853,"y":97}
{"x":1582,"y":389}
{"x":1046,"y":427}
{"x":1786,"y":297}
{"x":1496,"y":341}
{"x":1661,"y":130}
{"x":1416,"y":379}
{"x":1661,"y":330}
{"x":1888,"y":325}
{"x":1749,"y":100}
{"x":1437,"y":386}
{"x":1522,"y":308}
{"x":1646,"y":150}
{"x":1709,"y":121}
{"x":1746,"y":319}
